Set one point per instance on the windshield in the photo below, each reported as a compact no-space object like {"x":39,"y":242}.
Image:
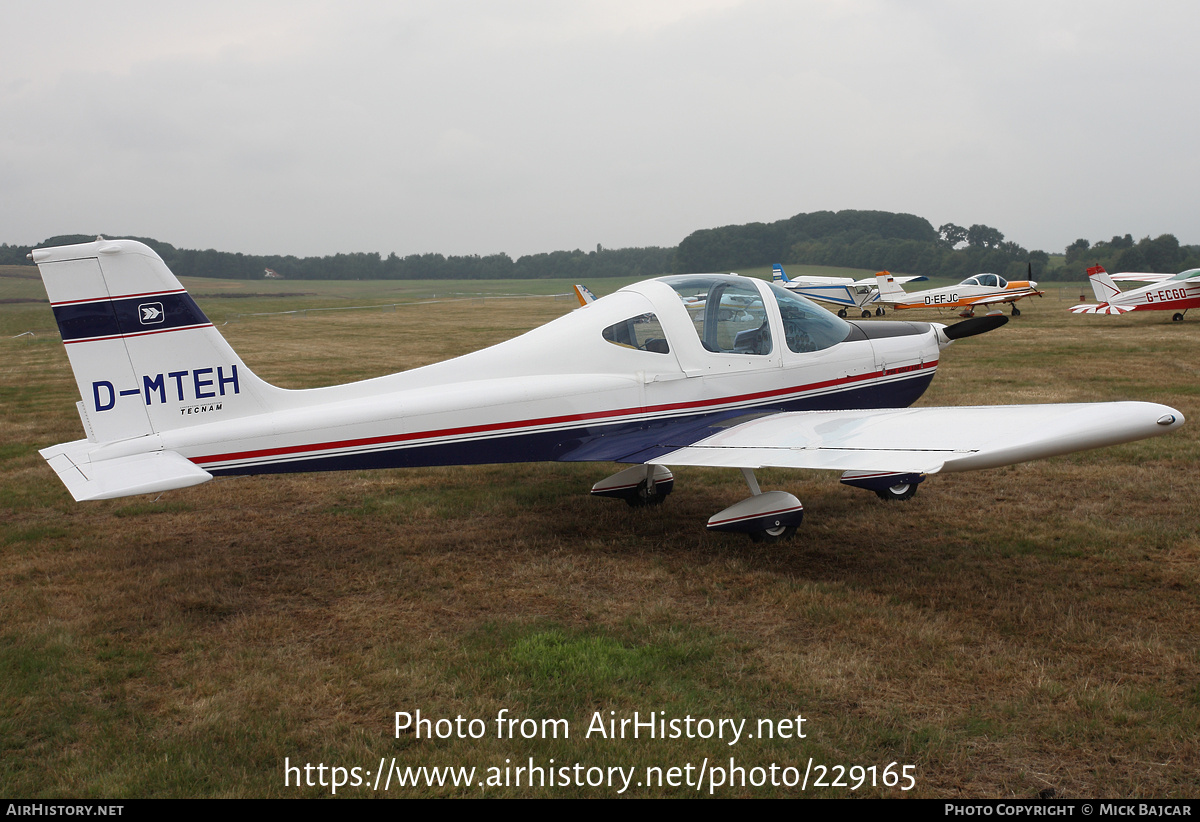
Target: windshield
{"x":727,"y":312}
{"x":807,"y":326}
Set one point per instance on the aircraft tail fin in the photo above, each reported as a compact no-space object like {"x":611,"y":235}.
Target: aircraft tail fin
{"x":584,"y":295}
{"x":778,"y":275}
{"x":145,"y":357}
{"x":1102,"y":284}
{"x":889,"y":289}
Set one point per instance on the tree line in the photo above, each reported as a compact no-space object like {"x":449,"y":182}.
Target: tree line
{"x":877,"y":240}
{"x":577,"y":264}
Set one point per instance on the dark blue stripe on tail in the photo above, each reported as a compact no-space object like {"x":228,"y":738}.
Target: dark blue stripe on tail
{"x":128,"y":315}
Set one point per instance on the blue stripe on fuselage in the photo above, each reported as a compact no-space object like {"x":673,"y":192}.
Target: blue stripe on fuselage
{"x":630,"y":441}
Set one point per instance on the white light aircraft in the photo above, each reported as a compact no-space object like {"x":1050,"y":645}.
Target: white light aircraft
{"x":1166,"y":292}
{"x":845,"y":292}
{"x":634,"y":377}
{"x":982,"y":289}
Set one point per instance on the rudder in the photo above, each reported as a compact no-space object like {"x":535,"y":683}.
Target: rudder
{"x":145,"y":357}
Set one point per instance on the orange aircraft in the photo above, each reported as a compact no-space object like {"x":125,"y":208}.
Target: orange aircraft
{"x":982,"y":289}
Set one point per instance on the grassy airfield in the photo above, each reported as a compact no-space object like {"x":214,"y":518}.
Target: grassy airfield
{"x":1007,"y":632}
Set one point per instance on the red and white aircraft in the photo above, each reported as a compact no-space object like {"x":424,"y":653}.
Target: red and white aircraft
{"x":982,"y":289}
{"x":1166,"y":292}
{"x":639,"y":377}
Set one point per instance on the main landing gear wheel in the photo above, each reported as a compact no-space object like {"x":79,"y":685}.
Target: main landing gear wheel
{"x":1016,"y":312}
{"x":866,"y":314}
{"x":645,"y":496}
{"x":777,"y":534}
{"x":842,"y":313}
{"x":879,"y":312}
{"x":903,"y":491}
{"x":1177,"y":318}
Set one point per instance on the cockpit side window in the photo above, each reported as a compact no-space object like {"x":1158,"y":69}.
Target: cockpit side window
{"x":729,"y":316}
{"x":970,"y":281}
{"x":807,"y":326}
{"x":642,"y":332}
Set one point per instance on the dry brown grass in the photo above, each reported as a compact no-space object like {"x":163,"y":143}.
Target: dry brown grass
{"x":1004,"y":631}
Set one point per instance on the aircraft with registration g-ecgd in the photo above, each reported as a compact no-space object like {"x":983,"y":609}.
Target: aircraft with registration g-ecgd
{"x":1165,"y":292}
{"x":697,"y":369}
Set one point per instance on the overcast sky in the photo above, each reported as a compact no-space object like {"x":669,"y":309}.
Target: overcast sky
{"x":475,"y":127}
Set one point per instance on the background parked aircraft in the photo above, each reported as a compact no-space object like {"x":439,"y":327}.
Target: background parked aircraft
{"x":980,"y":290}
{"x":1166,"y":292}
{"x":845,"y":292}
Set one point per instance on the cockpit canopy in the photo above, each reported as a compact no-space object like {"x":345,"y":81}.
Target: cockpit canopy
{"x":989,"y":280}
{"x":730,"y":316}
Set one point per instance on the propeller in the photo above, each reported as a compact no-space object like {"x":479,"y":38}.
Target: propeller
{"x":975,"y":325}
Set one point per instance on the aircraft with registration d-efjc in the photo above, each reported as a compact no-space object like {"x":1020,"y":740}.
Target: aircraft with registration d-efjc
{"x":1165,"y":292}
{"x":980,"y":290}
{"x":697,"y":369}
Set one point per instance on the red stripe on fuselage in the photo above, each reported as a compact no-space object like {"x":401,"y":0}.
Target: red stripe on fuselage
{"x":549,"y":421}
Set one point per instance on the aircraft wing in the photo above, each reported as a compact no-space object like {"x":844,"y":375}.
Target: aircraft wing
{"x":899,"y":280}
{"x":1140,"y":277}
{"x":925,"y":440}
{"x":1006,"y":296}
{"x":817,"y":280}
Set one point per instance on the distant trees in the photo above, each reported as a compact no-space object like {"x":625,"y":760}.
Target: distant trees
{"x":752,"y":244}
{"x":855,"y":239}
{"x":1163,"y":255}
{"x":984,"y":236}
{"x":951,"y":236}
{"x":603,"y":262}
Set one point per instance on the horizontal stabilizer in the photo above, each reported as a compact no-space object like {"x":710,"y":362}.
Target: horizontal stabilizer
{"x":147,"y":473}
{"x":926,"y":440}
{"x":1102,"y":308}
